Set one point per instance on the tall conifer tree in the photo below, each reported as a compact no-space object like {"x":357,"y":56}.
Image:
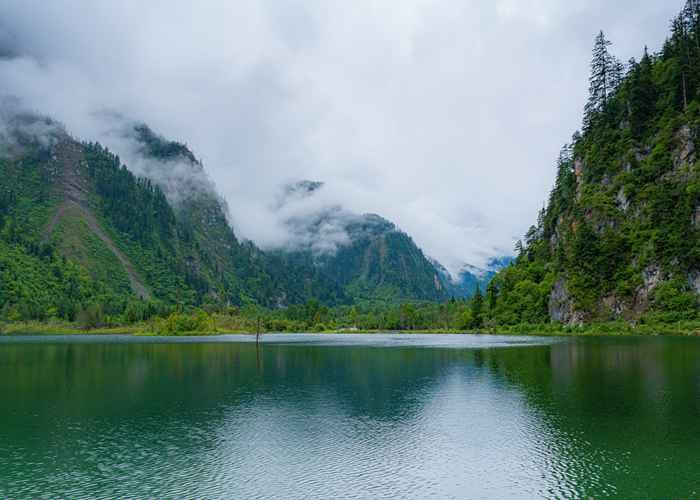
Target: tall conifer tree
{"x":606,"y":76}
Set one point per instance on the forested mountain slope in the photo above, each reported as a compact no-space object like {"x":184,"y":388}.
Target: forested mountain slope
{"x":620,"y":236}
{"x":249,"y":275}
{"x":365,"y":254}
{"x":80,"y":232}
{"x":374,"y":262}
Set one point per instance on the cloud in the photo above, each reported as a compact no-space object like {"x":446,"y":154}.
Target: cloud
{"x":170,"y":165}
{"x":443,"y":116}
{"x":20,"y":128}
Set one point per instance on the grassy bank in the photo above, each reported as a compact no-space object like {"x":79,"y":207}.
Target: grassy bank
{"x":177,"y":325}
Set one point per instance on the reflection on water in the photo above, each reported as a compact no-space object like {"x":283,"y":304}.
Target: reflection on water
{"x":349,"y":417}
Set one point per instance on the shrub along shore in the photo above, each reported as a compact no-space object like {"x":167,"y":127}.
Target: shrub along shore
{"x":451,"y":318}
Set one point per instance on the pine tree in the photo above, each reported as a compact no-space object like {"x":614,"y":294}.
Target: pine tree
{"x":531,"y":237}
{"x":354,"y":316}
{"x":562,"y":192}
{"x":606,"y":75}
{"x":617,"y":75}
{"x":691,"y":17}
{"x":519,"y":250}
{"x":491,"y":296}
{"x":681,"y":39}
{"x":477,"y":307}
{"x":540,"y":220}
{"x":566,"y":154}
{"x":642,"y":94}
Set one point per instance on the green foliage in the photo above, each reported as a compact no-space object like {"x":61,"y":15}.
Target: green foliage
{"x":625,"y":197}
{"x":91,"y":317}
{"x":184,"y":324}
{"x":380,"y":265}
{"x":477,"y":304}
{"x":133,"y":205}
{"x":156,"y":146}
{"x":185,"y":253}
{"x":674,"y":296}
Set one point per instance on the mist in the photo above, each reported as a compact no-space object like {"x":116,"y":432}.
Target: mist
{"x":444,"y":117}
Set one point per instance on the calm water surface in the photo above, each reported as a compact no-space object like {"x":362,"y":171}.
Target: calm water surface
{"x":383,"y":416}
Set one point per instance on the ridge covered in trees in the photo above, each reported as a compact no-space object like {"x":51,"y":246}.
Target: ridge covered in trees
{"x":620,"y":235}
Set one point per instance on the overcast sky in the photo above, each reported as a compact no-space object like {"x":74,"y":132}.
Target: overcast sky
{"x":443,"y":116}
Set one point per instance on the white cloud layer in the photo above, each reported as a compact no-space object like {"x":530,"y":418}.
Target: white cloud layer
{"x":444,"y":116}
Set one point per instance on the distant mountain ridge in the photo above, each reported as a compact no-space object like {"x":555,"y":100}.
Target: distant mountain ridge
{"x":365,"y":254}
{"x":465,"y":283}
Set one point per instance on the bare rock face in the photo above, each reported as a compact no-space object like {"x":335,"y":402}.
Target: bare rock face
{"x":622,"y":200}
{"x":686,"y":151}
{"x":652,"y":276}
{"x":694,"y":281}
{"x":553,"y":241}
{"x":561,"y":305}
{"x":615,"y":307}
{"x":438,"y":283}
{"x":578,"y":172}
{"x":555,"y":238}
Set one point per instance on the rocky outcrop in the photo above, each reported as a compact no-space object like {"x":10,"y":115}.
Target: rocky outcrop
{"x":578,"y":172}
{"x":68,"y":155}
{"x":614,"y":307}
{"x":652,"y":276}
{"x":438,"y":283}
{"x":694,"y":281}
{"x":561,"y":305}
{"x":686,"y":148}
{"x":622,"y":202}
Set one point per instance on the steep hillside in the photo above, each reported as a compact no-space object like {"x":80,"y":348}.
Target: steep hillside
{"x":620,"y":237}
{"x":78,"y":231}
{"x":81,"y":234}
{"x":55,"y":259}
{"x":240,"y":270}
{"x":366,"y":255}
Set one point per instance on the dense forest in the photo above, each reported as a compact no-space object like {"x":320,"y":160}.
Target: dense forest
{"x":620,"y":235}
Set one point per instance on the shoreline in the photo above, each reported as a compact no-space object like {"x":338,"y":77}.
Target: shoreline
{"x":690,"y":329}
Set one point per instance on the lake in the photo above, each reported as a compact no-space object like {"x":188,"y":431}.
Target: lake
{"x":349,"y":416}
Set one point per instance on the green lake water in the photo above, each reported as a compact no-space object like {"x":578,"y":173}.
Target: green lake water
{"x":349,"y":416}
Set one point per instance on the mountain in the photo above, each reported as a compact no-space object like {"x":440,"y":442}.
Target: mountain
{"x":465,"y":283}
{"x":620,"y":236}
{"x":258,"y":277}
{"x":365,"y":254}
{"x":79,"y":232}
{"x":337,"y":256}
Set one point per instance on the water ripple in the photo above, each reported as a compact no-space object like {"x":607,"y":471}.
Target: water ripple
{"x":410,"y":417}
